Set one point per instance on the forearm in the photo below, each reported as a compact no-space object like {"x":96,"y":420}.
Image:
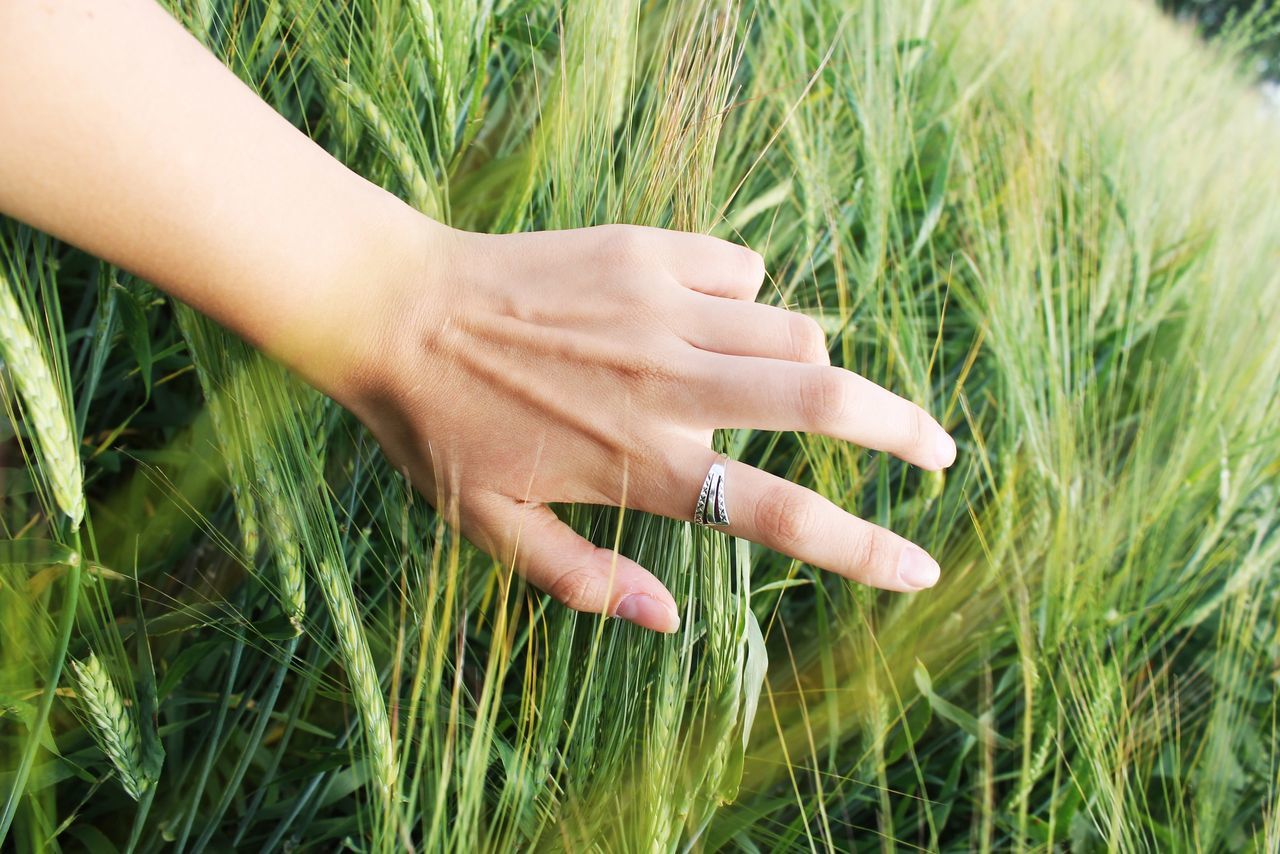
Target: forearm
{"x":121,"y":134}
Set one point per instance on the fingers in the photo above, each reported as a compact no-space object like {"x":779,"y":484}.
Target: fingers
{"x":555,"y":559}
{"x":800,"y":523}
{"x":711,"y":265}
{"x":741,"y":328}
{"x":769,"y":394}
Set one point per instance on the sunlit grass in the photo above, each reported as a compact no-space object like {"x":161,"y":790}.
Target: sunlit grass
{"x":1054,"y":225}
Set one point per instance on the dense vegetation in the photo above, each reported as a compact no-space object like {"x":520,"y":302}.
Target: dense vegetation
{"x":1055,"y":225}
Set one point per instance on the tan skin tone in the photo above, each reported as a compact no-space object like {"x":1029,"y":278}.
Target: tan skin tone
{"x":500,"y":372}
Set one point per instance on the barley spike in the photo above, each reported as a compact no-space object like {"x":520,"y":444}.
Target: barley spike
{"x":43,"y":401}
{"x":112,"y":723}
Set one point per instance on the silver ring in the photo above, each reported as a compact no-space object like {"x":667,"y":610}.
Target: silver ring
{"x":711,"y":509}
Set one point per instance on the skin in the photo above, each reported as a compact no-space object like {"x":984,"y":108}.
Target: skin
{"x":500,"y":372}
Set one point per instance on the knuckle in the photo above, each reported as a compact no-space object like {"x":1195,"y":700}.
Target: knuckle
{"x":917,"y":427}
{"x":808,"y":341}
{"x":620,"y":244}
{"x":869,"y":549}
{"x":752,"y":266}
{"x":648,"y":368}
{"x":822,"y":397}
{"x":578,"y":589}
{"x":784,"y":517}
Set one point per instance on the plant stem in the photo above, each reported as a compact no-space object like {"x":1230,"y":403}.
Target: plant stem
{"x":66,"y":620}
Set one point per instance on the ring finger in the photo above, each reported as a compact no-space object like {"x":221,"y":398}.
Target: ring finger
{"x":795,"y":521}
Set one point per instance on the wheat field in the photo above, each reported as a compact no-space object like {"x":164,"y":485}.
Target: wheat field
{"x":229,"y":624}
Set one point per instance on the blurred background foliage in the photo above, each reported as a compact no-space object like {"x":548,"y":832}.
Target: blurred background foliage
{"x":1054,"y":225}
{"x":1257,"y":18}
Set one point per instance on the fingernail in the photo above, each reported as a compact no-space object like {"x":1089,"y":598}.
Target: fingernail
{"x":916,"y":569}
{"x":946,"y":450}
{"x":644,"y":610}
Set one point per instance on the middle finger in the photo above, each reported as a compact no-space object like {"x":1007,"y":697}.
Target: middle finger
{"x":772,"y":394}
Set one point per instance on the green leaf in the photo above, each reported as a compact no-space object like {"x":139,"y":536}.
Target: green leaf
{"x":91,"y":838}
{"x":137,"y":332}
{"x":15,"y":481}
{"x":937,"y":194}
{"x":979,"y":729}
{"x":765,"y":201}
{"x":754,"y":669}
{"x":781,"y":584}
{"x":753,"y":674}
{"x":35,"y":552}
{"x":908,"y":731}
{"x":185,"y":663}
{"x":102,"y":335}
{"x":148,"y":700}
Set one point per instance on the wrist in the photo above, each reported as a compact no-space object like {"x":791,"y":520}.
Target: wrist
{"x":381,"y":293}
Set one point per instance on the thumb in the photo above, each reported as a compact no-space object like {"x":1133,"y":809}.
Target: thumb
{"x":555,"y":559}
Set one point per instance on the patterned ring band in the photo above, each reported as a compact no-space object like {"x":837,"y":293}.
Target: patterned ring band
{"x":711,"y":509}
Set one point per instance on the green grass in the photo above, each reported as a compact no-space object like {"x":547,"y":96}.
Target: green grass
{"x":1054,"y":225}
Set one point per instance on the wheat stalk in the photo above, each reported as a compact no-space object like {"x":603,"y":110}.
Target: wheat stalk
{"x":112,"y":723}
{"x":43,"y":401}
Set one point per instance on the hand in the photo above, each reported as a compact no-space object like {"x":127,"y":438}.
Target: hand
{"x":500,"y":372}
{"x":503,"y":372}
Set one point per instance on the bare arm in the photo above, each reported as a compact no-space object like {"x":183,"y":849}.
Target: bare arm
{"x":122,"y":135}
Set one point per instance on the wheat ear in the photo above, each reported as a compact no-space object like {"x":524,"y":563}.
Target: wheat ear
{"x":415,"y":183}
{"x":365,"y":685}
{"x":283,"y":535}
{"x":112,"y":723}
{"x":43,"y":402}
{"x":208,"y":349}
{"x":433,"y":43}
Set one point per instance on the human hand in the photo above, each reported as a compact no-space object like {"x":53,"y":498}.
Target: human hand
{"x":504,"y":372}
{"x":500,"y":372}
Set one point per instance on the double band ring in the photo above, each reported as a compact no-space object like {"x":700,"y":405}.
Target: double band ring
{"x":711,"y":509}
